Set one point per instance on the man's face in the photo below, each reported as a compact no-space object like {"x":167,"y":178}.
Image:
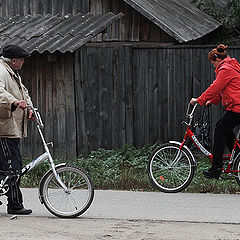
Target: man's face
{"x":17,"y":63}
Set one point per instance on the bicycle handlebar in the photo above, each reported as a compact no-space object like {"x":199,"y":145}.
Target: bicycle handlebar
{"x":189,"y":113}
{"x":37,"y":116}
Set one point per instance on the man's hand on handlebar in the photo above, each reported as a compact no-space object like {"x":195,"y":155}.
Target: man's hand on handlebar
{"x":20,"y":104}
{"x":31,"y":114}
{"x":23,"y":104}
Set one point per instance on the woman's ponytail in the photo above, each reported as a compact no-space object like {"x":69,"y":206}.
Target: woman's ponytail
{"x":218,"y":52}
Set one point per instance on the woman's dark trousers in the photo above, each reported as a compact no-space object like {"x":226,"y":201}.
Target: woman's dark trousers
{"x":224,"y":136}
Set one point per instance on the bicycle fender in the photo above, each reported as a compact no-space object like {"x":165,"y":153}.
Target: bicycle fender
{"x":43,"y":177}
{"x":186,"y":148}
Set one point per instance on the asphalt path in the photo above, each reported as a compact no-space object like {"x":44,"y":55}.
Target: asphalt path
{"x":124,"y":215}
{"x":157,"y":206}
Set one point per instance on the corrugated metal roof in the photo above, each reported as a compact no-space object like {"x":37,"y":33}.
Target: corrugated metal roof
{"x":179,"y":18}
{"x":51,"y":33}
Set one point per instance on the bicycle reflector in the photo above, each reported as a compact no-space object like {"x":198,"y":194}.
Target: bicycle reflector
{"x":162,"y":178}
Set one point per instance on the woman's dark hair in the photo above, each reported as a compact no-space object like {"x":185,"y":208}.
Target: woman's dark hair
{"x":218,"y":52}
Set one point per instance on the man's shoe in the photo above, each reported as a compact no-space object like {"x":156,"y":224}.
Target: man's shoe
{"x":21,"y":211}
{"x":212,"y":173}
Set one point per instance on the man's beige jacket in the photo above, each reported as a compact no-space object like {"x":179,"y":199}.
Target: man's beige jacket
{"x":13,"y":124}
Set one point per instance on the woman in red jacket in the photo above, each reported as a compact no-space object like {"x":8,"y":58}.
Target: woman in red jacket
{"x":225,"y":88}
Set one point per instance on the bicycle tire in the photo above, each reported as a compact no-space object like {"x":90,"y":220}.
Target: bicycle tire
{"x":167,"y":178}
{"x":73,"y":202}
{"x":237,"y":167}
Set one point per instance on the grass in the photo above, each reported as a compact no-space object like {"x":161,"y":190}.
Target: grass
{"x":125,"y":169}
{"x":203,"y":185}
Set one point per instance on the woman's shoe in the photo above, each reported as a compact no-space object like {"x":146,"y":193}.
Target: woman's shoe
{"x":212,"y":173}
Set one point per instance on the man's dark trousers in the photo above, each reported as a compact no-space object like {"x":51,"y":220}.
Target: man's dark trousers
{"x":10,"y":159}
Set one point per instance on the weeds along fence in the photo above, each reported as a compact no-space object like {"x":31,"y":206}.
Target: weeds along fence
{"x":109,"y":95}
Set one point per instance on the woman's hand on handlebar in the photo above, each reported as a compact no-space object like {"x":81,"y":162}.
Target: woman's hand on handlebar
{"x":208,"y":103}
{"x":193,"y":101}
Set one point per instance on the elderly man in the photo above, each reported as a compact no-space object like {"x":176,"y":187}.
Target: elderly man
{"x":14,"y":99}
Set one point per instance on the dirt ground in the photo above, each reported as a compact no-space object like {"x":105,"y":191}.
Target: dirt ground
{"x":36,"y":228}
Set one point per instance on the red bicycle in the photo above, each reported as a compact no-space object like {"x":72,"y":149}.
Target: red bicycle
{"x":171,"y":166}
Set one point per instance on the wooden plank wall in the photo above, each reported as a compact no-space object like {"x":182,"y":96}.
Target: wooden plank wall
{"x":104,"y":97}
{"x":43,"y":7}
{"x":134,"y":95}
{"x":108,"y":96}
{"x":49,"y":79}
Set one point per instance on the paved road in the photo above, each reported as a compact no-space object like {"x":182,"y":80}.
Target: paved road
{"x":183,"y":207}
{"x":123,"y":215}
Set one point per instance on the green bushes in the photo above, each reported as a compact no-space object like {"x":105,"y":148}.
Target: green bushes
{"x":32,"y":178}
{"x":228,"y":15}
{"x":126,"y":169}
{"x":109,"y":169}
{"x":118,"y":169}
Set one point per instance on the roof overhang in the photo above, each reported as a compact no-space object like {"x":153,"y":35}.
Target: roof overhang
{"x":54,"y":33}
{"x":179,"y":18}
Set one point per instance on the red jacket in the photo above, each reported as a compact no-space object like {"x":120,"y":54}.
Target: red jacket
{"x":225,"y":87}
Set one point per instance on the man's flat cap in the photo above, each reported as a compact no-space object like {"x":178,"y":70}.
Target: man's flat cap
{"x":13,"y":51}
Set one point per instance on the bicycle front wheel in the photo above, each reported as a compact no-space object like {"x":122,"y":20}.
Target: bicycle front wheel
{"x":71,"y":202}
{"x":171,"y":170}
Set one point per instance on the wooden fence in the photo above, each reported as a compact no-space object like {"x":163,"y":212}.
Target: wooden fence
{"x":43,"y":7}
{"x":108,"y":96}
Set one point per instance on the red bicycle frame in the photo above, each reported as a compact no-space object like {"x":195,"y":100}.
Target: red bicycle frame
{"x":226,"y":157}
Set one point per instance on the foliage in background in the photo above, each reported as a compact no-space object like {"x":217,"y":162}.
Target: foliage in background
{"x":118,"y":169}
{"x":125,"y":169}
{"x":228,"y":15}
{"x":32,"y":178}
{"x":109,"y":169}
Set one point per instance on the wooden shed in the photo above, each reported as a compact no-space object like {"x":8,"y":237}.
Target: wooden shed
{"x":102,"y":79}
{"x":52,"y":71}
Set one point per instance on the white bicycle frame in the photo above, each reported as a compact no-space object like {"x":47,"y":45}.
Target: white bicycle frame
{"x":46,"y":155}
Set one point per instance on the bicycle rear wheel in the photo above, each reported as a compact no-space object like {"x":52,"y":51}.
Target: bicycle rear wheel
{"x":169,"y":170}
{"x":72,"y":202}
{"x":237,"y":167}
